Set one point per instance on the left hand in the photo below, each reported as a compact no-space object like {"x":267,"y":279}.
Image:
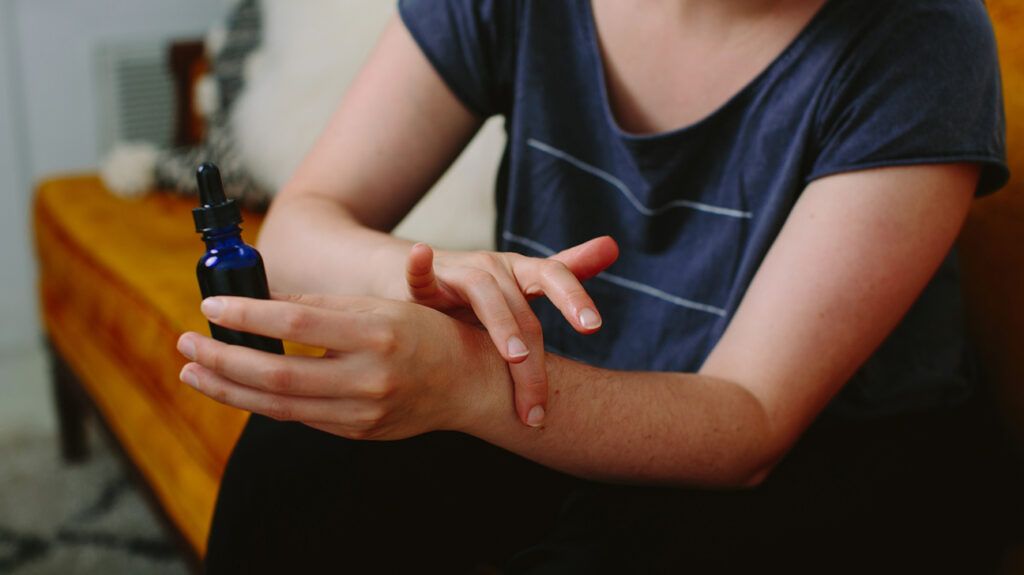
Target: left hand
{"x":392,"y":369}
{"x":491,"y":289}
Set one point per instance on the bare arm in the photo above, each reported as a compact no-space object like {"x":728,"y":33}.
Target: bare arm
{"x":397,"y":130}
{"x":855,"y":253}
{"x":853,"y":256}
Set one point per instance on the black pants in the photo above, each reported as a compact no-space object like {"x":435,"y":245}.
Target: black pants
{"x":936,"y":493}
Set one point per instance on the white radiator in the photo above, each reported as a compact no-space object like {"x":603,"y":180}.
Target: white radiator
{"x":135,"y":94}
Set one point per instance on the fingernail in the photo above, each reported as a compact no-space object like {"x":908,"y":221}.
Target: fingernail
{"x":212,"y":307}
{"x":589,"y":319}
{"x":536,"y":416}
{"x":187,"y":348}
{"x":189,"y":378}
{"x":516,"y":348}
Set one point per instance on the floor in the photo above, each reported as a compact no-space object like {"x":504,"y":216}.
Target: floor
{"x":66,"y":519}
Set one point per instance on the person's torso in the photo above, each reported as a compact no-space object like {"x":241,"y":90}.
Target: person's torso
{"x":694,"y":209}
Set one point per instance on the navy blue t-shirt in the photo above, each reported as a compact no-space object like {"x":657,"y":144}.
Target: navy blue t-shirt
{"x":867,"y":83}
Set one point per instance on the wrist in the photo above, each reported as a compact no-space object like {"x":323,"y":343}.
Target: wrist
{"x":388,"y":279}
{"x":483,"y":386}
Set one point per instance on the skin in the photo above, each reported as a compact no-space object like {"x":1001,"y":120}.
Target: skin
{"x":855,"y":252}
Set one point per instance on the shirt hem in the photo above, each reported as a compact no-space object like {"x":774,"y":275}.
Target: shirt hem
{"x":995,"y":173}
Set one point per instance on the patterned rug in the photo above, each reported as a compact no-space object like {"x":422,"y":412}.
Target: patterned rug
{"x":75,"y":519}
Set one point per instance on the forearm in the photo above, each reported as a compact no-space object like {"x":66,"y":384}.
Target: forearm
{"x":634,"y":427}
{"x":394,"y":134}
{"x":312,"y":244}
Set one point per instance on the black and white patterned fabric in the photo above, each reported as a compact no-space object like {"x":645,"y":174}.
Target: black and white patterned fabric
{"x":244,"y":32}
{"x":175,"y":169}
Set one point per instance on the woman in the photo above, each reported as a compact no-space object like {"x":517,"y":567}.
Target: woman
{"x":781,"y":181}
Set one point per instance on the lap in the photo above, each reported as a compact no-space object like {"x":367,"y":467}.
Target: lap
{"x":915,"y":489}
{"x":935,"y":493}
{"x":294,"y":499}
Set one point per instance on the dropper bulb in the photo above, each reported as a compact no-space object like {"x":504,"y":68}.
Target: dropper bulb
{"x":215,"y":210}
{"x":211,"y":188}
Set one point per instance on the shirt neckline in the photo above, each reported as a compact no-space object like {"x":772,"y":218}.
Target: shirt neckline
{"x":590,"y":30}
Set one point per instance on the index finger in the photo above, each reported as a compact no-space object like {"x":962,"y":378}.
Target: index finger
{"x":557,"y":282}
{"x":333,"y":328}
{"x":590,"y":258}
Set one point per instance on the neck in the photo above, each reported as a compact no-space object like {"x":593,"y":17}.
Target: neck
{"x":717,"y":13}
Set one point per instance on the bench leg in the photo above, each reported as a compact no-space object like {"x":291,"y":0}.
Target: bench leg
{"x":71,"y":409}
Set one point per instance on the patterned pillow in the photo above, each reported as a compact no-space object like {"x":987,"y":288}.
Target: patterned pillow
{"x":133,"y":169}
{"x":229,"y":53}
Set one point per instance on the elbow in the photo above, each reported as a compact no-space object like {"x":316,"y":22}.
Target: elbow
{"x":740,"y":471}
{"x":762,"y":444}
{"x":754,"y":479}
{"x":746,"y":474}
{"x":753,"y":466}
{"x":762,"y":460}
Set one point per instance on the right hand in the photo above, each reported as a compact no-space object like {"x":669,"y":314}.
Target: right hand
{"x":492,"y":288}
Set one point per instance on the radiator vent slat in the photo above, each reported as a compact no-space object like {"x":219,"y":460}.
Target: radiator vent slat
{"x":136,"y":94}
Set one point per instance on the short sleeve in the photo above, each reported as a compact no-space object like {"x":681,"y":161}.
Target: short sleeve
{"x":921,"y":86}
{"x":471,"y":44}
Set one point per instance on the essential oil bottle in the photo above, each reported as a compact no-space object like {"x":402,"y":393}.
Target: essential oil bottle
{"x":229,"y":266}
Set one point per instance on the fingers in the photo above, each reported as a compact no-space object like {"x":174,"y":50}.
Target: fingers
{"x":530,"y":390}
{"x":559,"y":277}
{"x":280,"y":407}
{"x":332,"y":328}
{"x":419,"y":273}
{"x":589,"y":258}
{"x":498,"y":303}
{"x":530,"y":377}
{"x":492,"y":307}
{"x":557,"y":282}
{"x":260,"y":370}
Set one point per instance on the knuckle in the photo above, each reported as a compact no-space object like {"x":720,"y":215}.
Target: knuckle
{"x":528,"y":322}
{"x":477,"y":277}
{"x":372,"y":418}
{"x":211,"y":358}
{"x":296,"y":321}
{"x":486,"y":260}
{"x":577,"y":294}
{"x":379,"y":388}
{"x":384,"y":340}
{"x":553,"y":270}
{"x":533,"y":381}
{"x":278,"y":378}
{"x":358,"y":434}
{"x":278,"y":410}
{"x":217,"y":392}
{"x":307,"y":299}
{"x":367,"y":424}
{"x":368,"y":433}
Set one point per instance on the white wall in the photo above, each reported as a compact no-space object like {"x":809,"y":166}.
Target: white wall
{"x":56,"y":39}
{"x":16,"y":298}
{"x":48,"y":113}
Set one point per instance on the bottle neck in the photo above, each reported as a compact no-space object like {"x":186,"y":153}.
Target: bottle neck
{"x":222,"y":238}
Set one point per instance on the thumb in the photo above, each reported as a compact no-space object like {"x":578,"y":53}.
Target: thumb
{"x":589,"y":258}
{"x":419,"y":272}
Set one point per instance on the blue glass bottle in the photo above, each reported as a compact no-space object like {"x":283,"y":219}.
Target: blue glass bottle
{"x":229,"y":266}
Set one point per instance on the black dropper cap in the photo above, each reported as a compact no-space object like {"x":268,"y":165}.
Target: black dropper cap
{"x":215,"y":209}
